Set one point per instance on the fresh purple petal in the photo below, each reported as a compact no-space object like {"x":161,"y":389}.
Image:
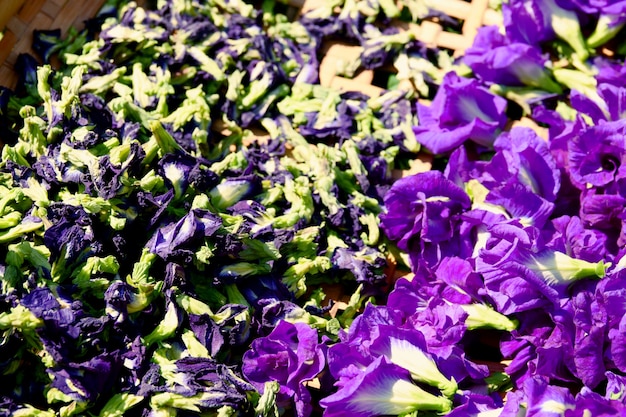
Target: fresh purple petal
{"x":381,"y":389}
{"x":424,"y":206}
{"x":461,"y":110}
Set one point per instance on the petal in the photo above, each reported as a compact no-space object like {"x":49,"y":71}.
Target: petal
{"x":382,"y":389}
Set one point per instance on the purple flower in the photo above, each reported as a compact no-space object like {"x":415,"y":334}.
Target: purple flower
{"x":611,"y":293}
{"x":84,"y":381}
{"x":522,"y":177}
{"x":597,"y":156}
{"x":605,"y":211}
{"x":555,"y":348}
{"x":383,"y":388}
{"x":407,"y":348}
{"x":478,"y":405}
{"x":536,"y":21}
{"x":528,"y":161}
{"x":197,"y":375}
{"x":616,"y":387}
{"x":461,"y":110}
{"x":521,"y":273}
{"x":590,"y":319}
{"x":424,"y":210}
{"x":589,"y":403}
{"x":290,"y":355}
{"x":545,"y":400}
{"x":606,"y":102}
{"x":71,"y":234}
{"x":571,"y":237}
{"x":609,"y":71}
{"x":494,"y":59}
{"x":610,"y":16}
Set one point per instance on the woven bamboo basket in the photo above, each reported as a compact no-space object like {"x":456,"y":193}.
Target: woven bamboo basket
{"x":19,"y":18}
{"x":22,"y":17}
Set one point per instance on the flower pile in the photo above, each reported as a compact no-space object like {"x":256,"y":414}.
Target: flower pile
{"x":190,"y":224}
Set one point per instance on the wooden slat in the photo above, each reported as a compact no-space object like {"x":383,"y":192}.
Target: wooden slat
{"x":51,"y":8}
{"x":30,"y":9}
{"x":8,"y":10}
{"x":6,"y":45}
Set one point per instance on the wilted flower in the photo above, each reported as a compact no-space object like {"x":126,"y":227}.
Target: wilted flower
{"x":175,"y":239}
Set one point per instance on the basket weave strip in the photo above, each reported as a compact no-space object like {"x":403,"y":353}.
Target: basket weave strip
{"x":41,"y":15}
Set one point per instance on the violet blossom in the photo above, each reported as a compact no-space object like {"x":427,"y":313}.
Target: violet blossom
{"x":382,"y":388}
{"x":290,"y":355}
{"x":462,"y":110}
{"x":539,"y":399}
{"x":521,"y":273}
{"x":597,"y":156}
{"x":610,"y":17}
{"x":422,"y":213}
{"x":536,"y":21}
{"x":495,"y":59}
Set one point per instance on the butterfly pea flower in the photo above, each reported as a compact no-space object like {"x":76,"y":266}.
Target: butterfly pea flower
{"x":407,"y":349}
{"x":537,"y":21}
{"x":71,"y":233}
{"x":84,"y":381}
{"x":290,"y":355}
{"x":588,"y":403}
{"x":228,"y":327}
{"x":366,"y":265}
{"x":521,"y":273}
{"x":415,"y":343}
{"x":529,"y":161}
{"x":478,"y":405}
{"x":596,"y":155}
{"x":232,"y":190}
{"x":379,"y":46}
{"x":382,"y":388}
{"x":495,"y":59}
{"x":425,"y":207}
{"x":616,"y":387}
{"x":572,"y":237}
{"x":589,"y":318}
{"x":608,"y":294}
{"x":206,"y":375}
{"x":182,"y":171}
{"x":521,"y":180}
{"x":462,"y":110}
{"x":540,"y":399}
{"x":600,"y":97}
{"x":610,"y":17}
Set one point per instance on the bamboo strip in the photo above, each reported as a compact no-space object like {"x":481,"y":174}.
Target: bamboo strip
{"x":27,"y":16}
{"x":9,"y":9}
